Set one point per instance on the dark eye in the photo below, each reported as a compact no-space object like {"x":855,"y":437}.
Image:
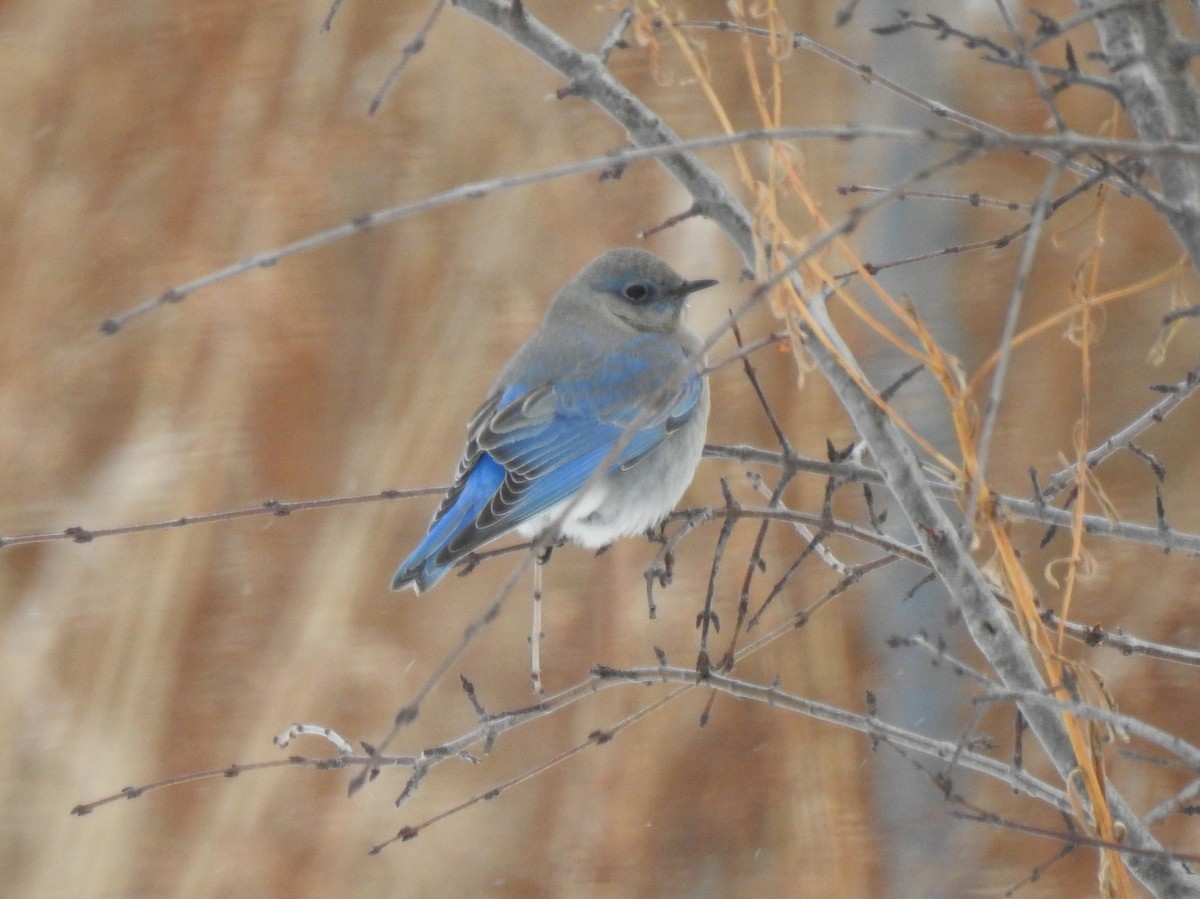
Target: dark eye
{"x":637,"y":292}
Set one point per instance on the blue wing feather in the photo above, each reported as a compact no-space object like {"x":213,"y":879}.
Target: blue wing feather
{"x":532,"y":446}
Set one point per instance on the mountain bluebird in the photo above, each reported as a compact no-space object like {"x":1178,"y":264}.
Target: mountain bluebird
{"x":612,"y":351}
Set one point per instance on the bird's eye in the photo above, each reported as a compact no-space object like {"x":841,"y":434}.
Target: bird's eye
{"x":637,"y":292}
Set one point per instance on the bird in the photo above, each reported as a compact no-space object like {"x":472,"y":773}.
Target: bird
{"x":611,"y":352}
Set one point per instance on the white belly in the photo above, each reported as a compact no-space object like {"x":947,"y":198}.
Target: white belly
{"x":627,"y":503}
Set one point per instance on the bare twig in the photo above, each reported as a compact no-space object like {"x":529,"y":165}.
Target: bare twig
{"x":80,"y":534}
{"x":1070,"y":144}
{"x":992,"y":411}
{"x":411,"y":49}
{"x":1174,"y":395}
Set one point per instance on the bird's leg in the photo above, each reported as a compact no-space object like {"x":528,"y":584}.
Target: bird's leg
{"x":658,"y":534}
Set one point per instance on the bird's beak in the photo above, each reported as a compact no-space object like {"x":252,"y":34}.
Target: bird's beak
{"x":690,"y":287}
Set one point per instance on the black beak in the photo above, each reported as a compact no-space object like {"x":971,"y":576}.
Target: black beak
{"x":690,"y":287}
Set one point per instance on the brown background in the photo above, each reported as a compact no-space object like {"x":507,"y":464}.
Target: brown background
{"x":147,"y":144}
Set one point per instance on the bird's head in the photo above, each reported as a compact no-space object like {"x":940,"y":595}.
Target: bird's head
{"x":635,"y":287}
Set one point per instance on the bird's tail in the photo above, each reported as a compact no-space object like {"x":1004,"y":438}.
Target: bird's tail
{"x":420,"y":570}
{"x":429,"y":562}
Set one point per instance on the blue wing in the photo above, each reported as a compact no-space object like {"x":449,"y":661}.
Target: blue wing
{"x":532,"y":446}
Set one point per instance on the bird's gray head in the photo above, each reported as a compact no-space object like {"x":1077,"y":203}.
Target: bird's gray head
{"x":633,"y":286}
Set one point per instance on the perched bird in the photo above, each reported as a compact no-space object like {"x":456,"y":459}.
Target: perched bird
{"x":612,"y":350}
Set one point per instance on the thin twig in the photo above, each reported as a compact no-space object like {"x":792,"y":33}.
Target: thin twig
{"x":408,"y":713}
{"x":1031,"y":66}
{"x":333,"y":10}
{"x":1069,"y":144}
{"x":1156,"y":414}
{"x":411,"y":49}
{"x":991,"y":414}
{"x":278,"y":508}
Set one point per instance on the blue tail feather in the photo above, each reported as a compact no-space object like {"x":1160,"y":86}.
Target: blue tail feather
{"x":422,"y":568}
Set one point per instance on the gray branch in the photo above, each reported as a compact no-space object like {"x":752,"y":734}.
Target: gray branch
{"x":1152,"y":65}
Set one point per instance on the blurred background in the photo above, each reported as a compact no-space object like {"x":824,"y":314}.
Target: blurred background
{"x":148,"y":144}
